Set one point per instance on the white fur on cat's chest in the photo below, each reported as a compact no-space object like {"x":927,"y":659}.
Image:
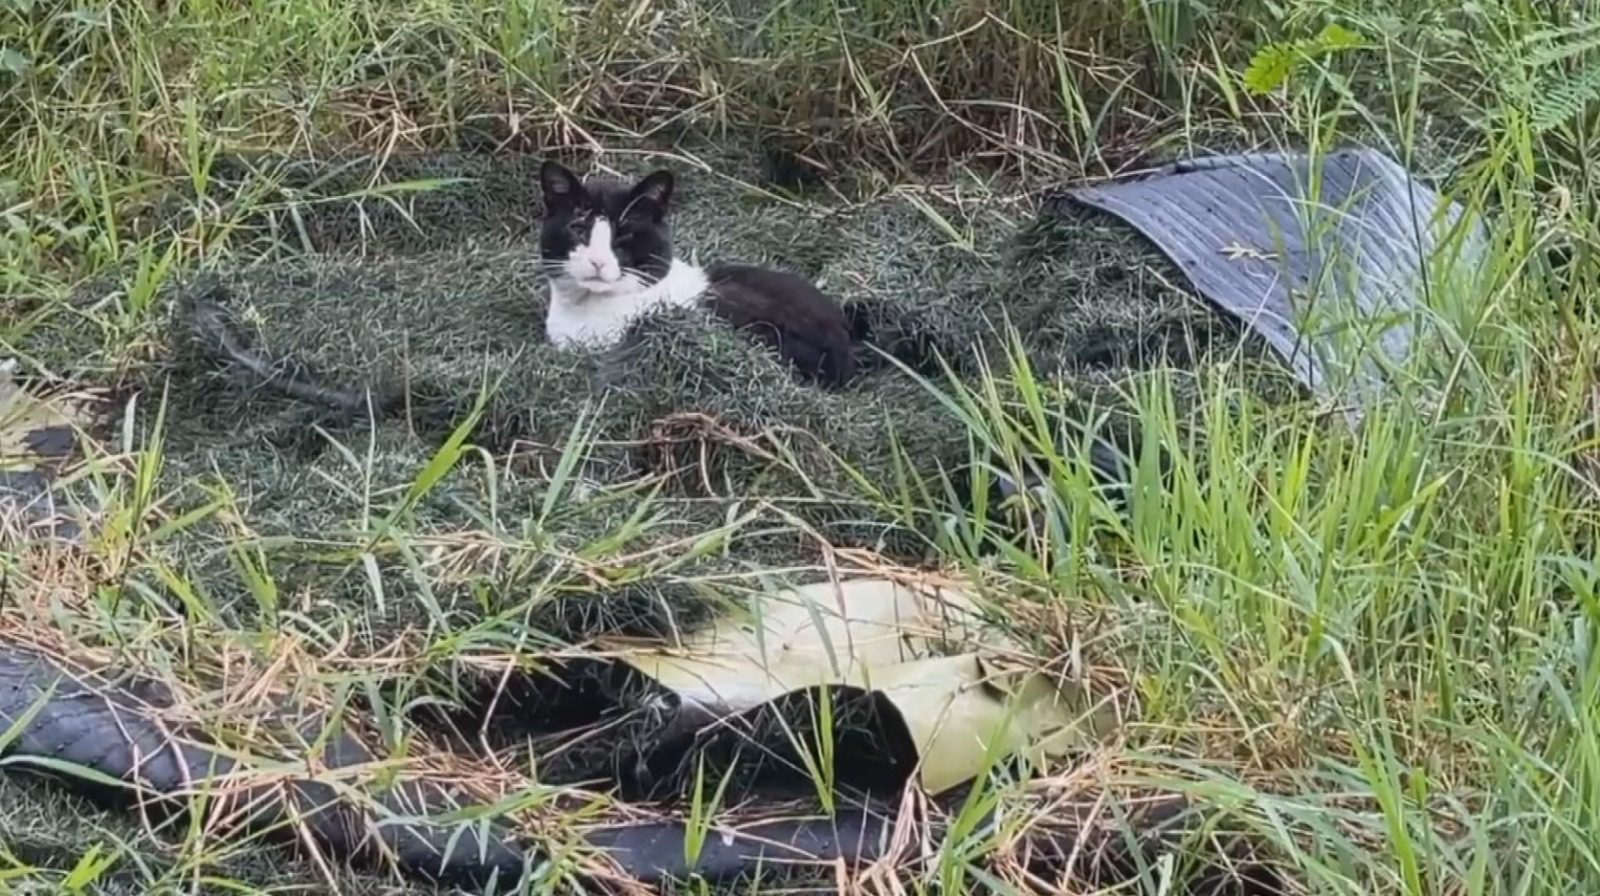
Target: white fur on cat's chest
{"x":597,"y":319}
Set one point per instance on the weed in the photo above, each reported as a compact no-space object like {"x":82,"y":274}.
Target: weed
{"x":1376,"y":645}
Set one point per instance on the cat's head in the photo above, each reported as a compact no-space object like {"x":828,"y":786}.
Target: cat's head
{"x":602,"y":236}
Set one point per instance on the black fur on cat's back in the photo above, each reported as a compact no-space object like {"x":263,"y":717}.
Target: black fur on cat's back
{"x":790,"y":315}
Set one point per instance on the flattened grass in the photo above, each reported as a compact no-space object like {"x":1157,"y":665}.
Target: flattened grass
{"x":1379,"y":645}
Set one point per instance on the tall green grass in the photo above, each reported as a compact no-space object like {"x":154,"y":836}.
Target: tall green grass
{"x":1379,"y":639}
{"x":1379,"y":643}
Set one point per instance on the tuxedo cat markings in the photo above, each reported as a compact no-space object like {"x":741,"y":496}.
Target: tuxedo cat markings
{"x":607,"y":253}
{"x":606,"y":250}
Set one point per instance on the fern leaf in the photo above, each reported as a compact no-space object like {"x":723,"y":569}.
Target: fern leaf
{"x":1337,"y":37}
{"x":1558,"y":44}
{"x":1269,"y":68}
{"x":1557,"y":103}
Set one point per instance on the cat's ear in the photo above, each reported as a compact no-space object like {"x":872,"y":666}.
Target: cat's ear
{"x":655,"y":189}
{"x":561,"y":187}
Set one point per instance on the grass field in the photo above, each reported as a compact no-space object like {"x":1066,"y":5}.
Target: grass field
{"x":1379,"y":647}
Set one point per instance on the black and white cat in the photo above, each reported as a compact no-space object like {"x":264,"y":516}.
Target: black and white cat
{"x":607,"y":253}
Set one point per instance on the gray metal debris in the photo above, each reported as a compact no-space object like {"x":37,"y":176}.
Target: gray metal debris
{"x":1325,"y":256}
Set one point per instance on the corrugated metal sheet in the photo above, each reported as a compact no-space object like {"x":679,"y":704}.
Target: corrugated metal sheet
{"x":1323,"y":256}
